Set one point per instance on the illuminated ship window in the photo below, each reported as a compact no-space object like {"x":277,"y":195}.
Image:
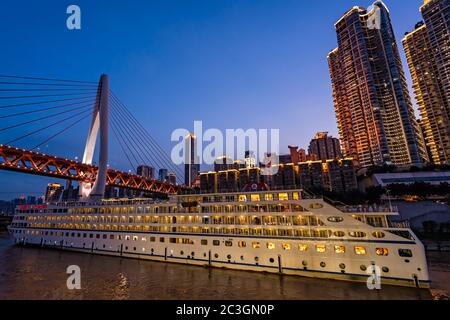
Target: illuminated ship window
{"x":360,"y":250}
{"x":295,"y":196}
{"x":256,"y":245}
{"x":335,"y":219}
{"x":378,"y":234}
{"x":283,"y":196}
{"x":382,"y":251}
{"x":286,"y":246}
{"x":357,"y":234}
{"x":242,"y":198}
{"x":255,"y":197}
{"x":270,"y":245}
{"x":242,"y":244}
{"x":339,"y":234}
{"x":268,"y":197}
{"x":321,"y":248}
{"x":303,"y":247}
{"x":406,"y":253}
{"x":339,"y":249}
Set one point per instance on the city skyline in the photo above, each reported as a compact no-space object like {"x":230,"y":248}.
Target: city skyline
{"x":303,"y":106}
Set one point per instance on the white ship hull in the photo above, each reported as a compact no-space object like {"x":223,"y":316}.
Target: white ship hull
{"x":330,"y":258}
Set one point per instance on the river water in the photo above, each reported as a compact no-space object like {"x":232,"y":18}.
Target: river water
{"x":35,"y":273}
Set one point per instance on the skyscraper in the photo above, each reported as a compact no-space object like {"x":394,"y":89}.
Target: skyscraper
{"x":192,"y":165}
{"x":373,"y":108}
{"x":162,"y":175}
{"x":325,"y":147}
{"x":427,"y":50}
{"x":146,"y":171}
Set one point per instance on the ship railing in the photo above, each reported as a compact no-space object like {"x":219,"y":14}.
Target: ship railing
{"x":399,"y":224}
{"x":367,"y":209}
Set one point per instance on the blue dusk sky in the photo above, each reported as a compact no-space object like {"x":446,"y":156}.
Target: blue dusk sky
{"x":230,"y":63}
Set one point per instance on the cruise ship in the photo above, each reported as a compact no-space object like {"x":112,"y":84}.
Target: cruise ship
{"x":287,"y":232}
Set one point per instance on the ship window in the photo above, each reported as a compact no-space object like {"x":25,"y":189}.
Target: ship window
{"x":283,"y":196}
{"x":135,"y":238}
{"x":256,"y":245}
{"x":242,"y":198}
{"x":270,"y":245}
{"x":321,"y":248}
{"x":271,"y":260}
{"x":144,"y":239}
{"x":242,"y":244}
{"x":98,"y":236}
{"x":204,"y":242}
{"x":286,"y":246}
{"x":172,"y":240}
{"x":161,"y":239}
{"x":216,"y":243}
{"x":152,"y":239}
{"x":105,"y":236}
{"x":295,"y":196}
{"x":335,"y":219}
{"x":255,"y":197}
{"x":228,"y":243}
{"x":357,"y":234}
{"x":216,"y":255}
{"x":268,"y":197}
{"x":406,"y":253}
{"x":303,"y":247}
{"x":339,"y":249}
{"x":360,"y":250}
{"x":339,"y":234}
{"x":378,"y":234}
{"x":127,"y":237}
{"x":111,"y":237}
{"x":382,"y":251}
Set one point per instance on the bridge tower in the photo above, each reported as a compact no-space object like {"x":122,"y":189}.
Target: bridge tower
{"x":100,"y":120}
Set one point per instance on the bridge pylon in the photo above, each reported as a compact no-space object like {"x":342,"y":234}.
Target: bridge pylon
{"x":100,"y":121}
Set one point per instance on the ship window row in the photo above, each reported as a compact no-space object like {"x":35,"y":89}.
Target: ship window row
{"x":302,"y":233}
{"x":247,"y":197}
{"x":319,"y":248}
{"x":230,"y":220}
{"x":191,"y":208}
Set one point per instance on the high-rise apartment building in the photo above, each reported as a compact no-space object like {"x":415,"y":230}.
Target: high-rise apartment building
{"x":146,"y":171}
{"x":427,"y":50}
{"x":192,"y":163}
{"x":162,"y":175}
{"x":373,"y":108}
{"x":325,"y":147}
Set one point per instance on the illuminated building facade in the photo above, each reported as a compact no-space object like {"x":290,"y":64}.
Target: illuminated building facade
{"x":374,"y":112}
{"x":325,"y":147}
{"x":427,"y":50}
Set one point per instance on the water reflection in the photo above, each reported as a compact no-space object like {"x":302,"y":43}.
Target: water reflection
{"x":34,"y":273}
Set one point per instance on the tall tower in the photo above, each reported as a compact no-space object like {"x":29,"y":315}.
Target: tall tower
{"x":374,"y":112}
{"x":427,"y":50}
{"x":100,"y":120}
{"x":192,"y":163}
